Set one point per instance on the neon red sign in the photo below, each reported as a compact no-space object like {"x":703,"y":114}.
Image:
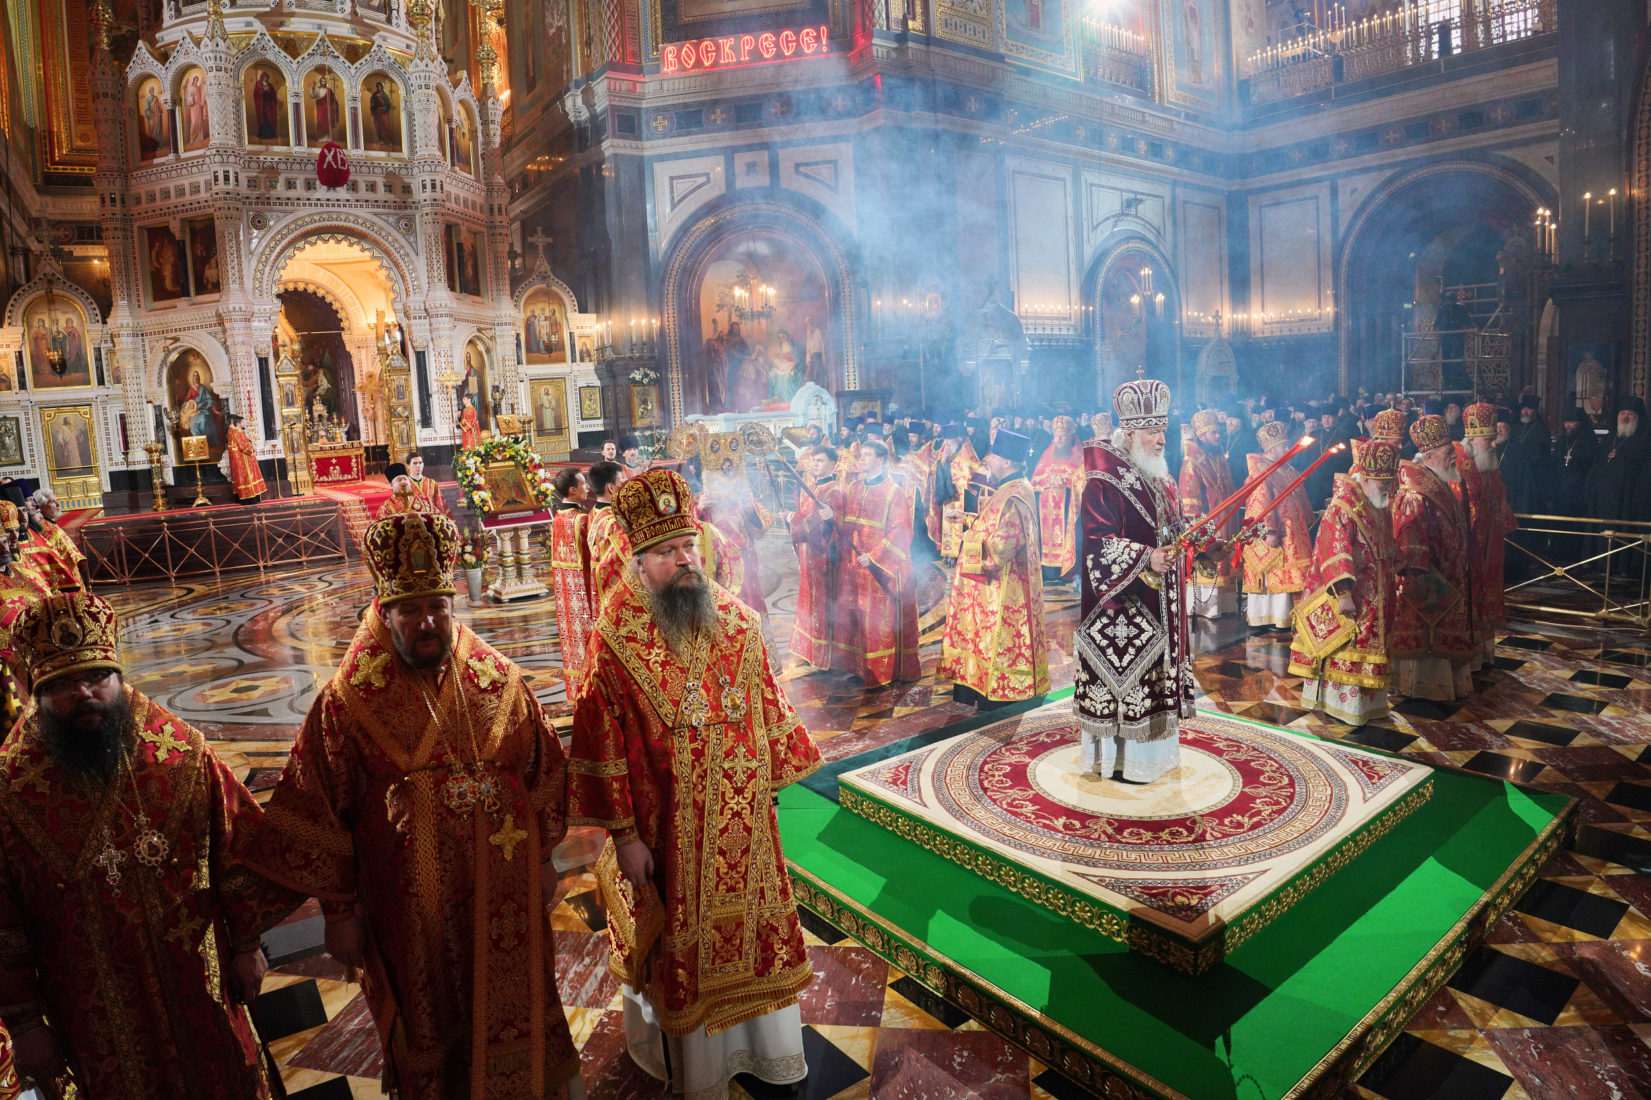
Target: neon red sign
{"x":734,"y":50}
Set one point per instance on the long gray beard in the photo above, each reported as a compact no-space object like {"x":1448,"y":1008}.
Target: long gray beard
{"x":91,"y":757}
{"x":682,"y":612}
{"x":1626,"y":431}
{"x":1485,"y":460}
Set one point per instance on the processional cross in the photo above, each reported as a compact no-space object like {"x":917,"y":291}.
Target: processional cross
{"x":539,"y":239}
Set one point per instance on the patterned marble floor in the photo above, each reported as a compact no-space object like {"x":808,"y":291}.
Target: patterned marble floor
{"x":1556,"y":1004}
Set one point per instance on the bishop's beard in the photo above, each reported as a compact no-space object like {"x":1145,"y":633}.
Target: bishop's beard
{"x":683,"y":610}
{"x":91,"y":755}
{"x":1624,"y":431}
{"x":1154,"y":466}
{"x":1485,"y":460}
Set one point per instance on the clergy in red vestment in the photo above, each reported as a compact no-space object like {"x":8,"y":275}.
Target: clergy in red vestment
{"x":129,"y":922}
{"x":245,"y":478}
{"x":1433,"y":635}
{"x":1207,"y":480}
{"x":427,"y":487}
{"x":816,"y":532}
{"x":604,"y":478}
{"x":719,"y":555}
{"x":734,"y":511}
{"x":570,"y":571}
{"x":470,"y":429}
{"x":1133,"y":682}
{"x":50,"y":511}
{"x":421,"y":804}
{"x":994,"y":650}
{"x":681,"y":737}
{"x":402,"y":498}
{"x":1058,"y":482}
{"x":23,"y":581}
{"x":1343,"y":626}
{"x":1275,"y":567}
{"x":952,"y":496}
{"x":874,"y":576}
{"x":1492,"y":521}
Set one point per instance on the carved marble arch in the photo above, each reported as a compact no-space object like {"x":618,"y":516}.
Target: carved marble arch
{"x":330,"y":291}
{"x":1114,"y":258}
{"x":213,"y":352}
{"x":398,"y":262}
{"x":543,"y":278}
{"x":794,"y":218}
{"x":1369,"y":223}
{"x":52,"y":275}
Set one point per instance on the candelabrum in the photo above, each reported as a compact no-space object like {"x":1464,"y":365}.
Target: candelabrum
{"x":640,"y":336}
{"x":156,"y":474}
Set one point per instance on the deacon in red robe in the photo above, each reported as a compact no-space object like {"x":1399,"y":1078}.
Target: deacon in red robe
{"x":129,"y":922}
{"x":245,"y":478}
{"x":421,"y":804}
{"x":1343,"y":626}
{"x":1433,"y":634}
{"x":570,"y":571}
{"x":816,"y":532}
{"x":1133,"y":682}
{"x":1207,"y":480}
{"x":1058,"y":482}
{"x":427,"y":487}
{"x":681,"y":737}
{"x":874,"y":579}
{"x":995,"y":651}
{"x":470,"y":429}
{"x":50,"y":511}
{"x":1492,"y":520}
{"x":1275,"y":567}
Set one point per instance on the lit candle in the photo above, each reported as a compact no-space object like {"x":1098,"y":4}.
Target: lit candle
{"x":1587,"y":214}
{"x":1613,"y":213}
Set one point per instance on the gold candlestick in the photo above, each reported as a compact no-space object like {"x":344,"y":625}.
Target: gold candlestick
{"x":156,"y":474}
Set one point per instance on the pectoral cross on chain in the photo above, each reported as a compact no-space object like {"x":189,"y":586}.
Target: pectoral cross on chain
{"x":110,"y":860}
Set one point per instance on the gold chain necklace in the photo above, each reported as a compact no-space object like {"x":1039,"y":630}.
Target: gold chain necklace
{"x":469,"y":786}
{"x":150,"y":849}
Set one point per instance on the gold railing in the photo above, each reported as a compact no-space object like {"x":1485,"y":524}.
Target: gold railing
{"x":184,"y":543}
{"x":1388,"y":41}
{"x":1586,"y":568}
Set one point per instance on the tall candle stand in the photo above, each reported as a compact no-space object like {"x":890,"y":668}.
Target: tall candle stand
{"x":156,"y":474}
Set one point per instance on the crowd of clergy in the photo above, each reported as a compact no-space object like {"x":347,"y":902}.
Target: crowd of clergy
{"x":426,"y":790}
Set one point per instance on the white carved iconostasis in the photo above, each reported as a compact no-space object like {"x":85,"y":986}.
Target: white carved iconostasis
{"x":224,"y":225}
{"x":558,"y":395}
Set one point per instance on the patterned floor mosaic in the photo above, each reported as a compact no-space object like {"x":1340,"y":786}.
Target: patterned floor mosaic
{"x":1557,"y":1003}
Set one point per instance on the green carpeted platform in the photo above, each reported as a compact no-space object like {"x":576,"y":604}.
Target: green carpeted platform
{"x":1301,"y":1008}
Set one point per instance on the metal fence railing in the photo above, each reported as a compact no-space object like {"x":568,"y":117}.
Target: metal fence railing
{"x":1582,"y":568}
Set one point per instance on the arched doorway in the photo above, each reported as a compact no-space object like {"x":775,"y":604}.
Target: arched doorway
{"x":1450,"y":237}
{"x":1134,"y":318}
{"x":757,"y":304}
{"x":336,"y":299}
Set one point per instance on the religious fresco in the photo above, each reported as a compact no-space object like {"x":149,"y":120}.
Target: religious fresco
{"x":264,"y":101}
{"x":153,"y":121}
{"x":691,"y":11}
{"x":1193,"y":30}
{"x":194,"y":130}
{"x":464,"y":140}
{"x":56,"y":324}
{"x":474,"y":382}
{"x":168,"y":272}
{"x":764,"y":318}
{"x":544,"y":327}
{"x":548,"y":403}
{"x":380,"y":114}
{"x":192,"y":395}
{"x":379,"y":9}
{"x":204,"y":274}
{"x":323,"y":108}
{"x":11,"y":441}
{"x":70,"y":450}
{"x":464,"y":260}
{"x":1039,"y":33}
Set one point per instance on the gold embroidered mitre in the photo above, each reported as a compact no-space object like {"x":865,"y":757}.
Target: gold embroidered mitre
{"x":1143,"y":403}
{"x":8,"y":516}
{"x":1376,"y":459}
{"x":1479,"y":421}
{"x":655,"y":506}
{"x":1429,"y":433}
{"x":1273,"y":433}
{"x":412,"y":554}
{"x":63,"y":634}
{"x":1064,"y":425}
{"x":1206,"y":420}
{"x":1388,"y":426}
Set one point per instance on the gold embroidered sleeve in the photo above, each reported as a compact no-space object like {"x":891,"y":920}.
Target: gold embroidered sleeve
{"x":305,"y":840}
{"x":792,"y":752}
{"x":548,"y":785}
{"x":250,"y":903}
{"x":19,"y":995}
{"x":598,"y":774}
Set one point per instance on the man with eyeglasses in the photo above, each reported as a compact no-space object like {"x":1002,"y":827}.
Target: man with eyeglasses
{"x":129,"y":924}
